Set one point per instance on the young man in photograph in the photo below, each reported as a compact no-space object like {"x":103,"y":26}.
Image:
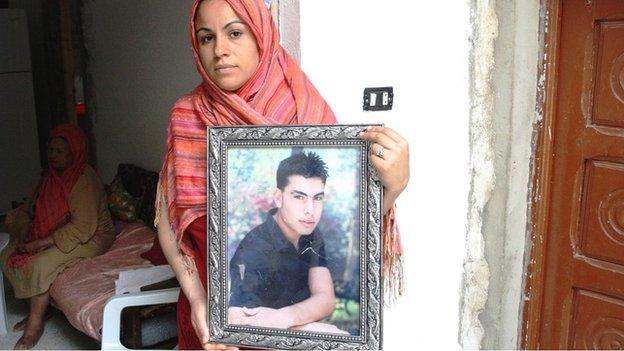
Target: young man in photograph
{"x":279,"y":274}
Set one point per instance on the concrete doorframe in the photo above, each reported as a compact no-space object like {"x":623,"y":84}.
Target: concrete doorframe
{"x":506,"y":54}
{"x":290,"y":27}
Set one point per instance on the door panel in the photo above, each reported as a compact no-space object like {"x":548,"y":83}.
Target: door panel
{"x":596,"y":326}
{"x":582,"y":302}
{"x":602,"y":221}
{"x":609,"y":97}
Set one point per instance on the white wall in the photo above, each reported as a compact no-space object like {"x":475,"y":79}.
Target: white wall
{"x":423,"y":52}
{"x":140,"y":66}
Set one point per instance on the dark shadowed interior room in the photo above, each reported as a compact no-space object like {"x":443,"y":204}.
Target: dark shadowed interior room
{"x":55,"y":55}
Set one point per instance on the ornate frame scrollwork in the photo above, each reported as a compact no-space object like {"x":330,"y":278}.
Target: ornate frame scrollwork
{"x":370,"y":265}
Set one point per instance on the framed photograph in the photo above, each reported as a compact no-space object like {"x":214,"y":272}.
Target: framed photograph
{"x":294,"y":238}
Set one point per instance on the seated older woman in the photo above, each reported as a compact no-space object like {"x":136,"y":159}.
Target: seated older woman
{"x":66,"y":219}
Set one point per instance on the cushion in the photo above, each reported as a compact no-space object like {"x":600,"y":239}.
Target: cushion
{"x":155,"y":254}
{"x":122,"y":205}
{"x":141,"y":184}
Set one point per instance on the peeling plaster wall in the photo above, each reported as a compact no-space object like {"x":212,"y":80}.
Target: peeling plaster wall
{"x":288,"y":19}
{"x":514,"y":81}
{"x":482,"y":153}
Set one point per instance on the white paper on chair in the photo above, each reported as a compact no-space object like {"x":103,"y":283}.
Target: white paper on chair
{"x":131,"y":281}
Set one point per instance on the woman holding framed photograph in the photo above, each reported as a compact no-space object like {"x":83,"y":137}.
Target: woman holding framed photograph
{"x":247,"y":79}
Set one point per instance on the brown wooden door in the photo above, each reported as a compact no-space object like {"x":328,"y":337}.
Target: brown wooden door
{"x":578,"y":258}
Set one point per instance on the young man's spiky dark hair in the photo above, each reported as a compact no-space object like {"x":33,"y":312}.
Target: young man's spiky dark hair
{"x":308,"y":165}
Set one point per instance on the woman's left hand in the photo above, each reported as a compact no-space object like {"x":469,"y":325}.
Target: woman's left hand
{"x":391,"y":160}
{"x":36,"y":245}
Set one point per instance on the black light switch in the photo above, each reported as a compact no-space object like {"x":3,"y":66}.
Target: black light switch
{"x":378,"y":99}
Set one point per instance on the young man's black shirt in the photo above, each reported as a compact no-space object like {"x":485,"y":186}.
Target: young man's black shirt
{"x":268,"y":271}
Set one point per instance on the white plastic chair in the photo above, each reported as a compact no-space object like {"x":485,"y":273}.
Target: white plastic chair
{"x":4,"y":241}
{"x":111,"y":327}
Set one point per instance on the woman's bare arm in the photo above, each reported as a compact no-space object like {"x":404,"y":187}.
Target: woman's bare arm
{"x":186,"y":272}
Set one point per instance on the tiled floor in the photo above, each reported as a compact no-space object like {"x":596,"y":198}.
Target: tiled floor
{"x":58,"y":334}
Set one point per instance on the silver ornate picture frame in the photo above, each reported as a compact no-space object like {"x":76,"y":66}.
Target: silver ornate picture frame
{"x":243,"y":198}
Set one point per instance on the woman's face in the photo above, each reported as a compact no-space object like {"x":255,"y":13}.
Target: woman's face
{"x":59,"y":154}
{"x":228,"y":49}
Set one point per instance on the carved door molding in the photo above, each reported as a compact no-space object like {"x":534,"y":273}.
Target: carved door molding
{"x":575,"y":279}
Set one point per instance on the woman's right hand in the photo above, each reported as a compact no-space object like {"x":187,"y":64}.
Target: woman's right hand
{"x":198,"y":320}
{"x":10,"y":217}
{"x":35,"y":246}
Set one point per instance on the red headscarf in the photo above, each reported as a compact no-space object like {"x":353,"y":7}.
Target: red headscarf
{"x":277,"y":93}
{"x":52,"y":206}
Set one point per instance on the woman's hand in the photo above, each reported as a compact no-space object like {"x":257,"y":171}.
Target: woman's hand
{"x":10,"y":217}
{"x":13,"y":214}
{"x":391,"y":160}
{"x":198,"y":320}
{"x":35,"y":245}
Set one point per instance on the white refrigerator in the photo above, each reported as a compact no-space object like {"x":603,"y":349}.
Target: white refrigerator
{"x":19,"y":150}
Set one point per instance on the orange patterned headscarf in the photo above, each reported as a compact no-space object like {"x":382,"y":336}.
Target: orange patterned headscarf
{"x":52,"y":206}
{"x":277,"y":93}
